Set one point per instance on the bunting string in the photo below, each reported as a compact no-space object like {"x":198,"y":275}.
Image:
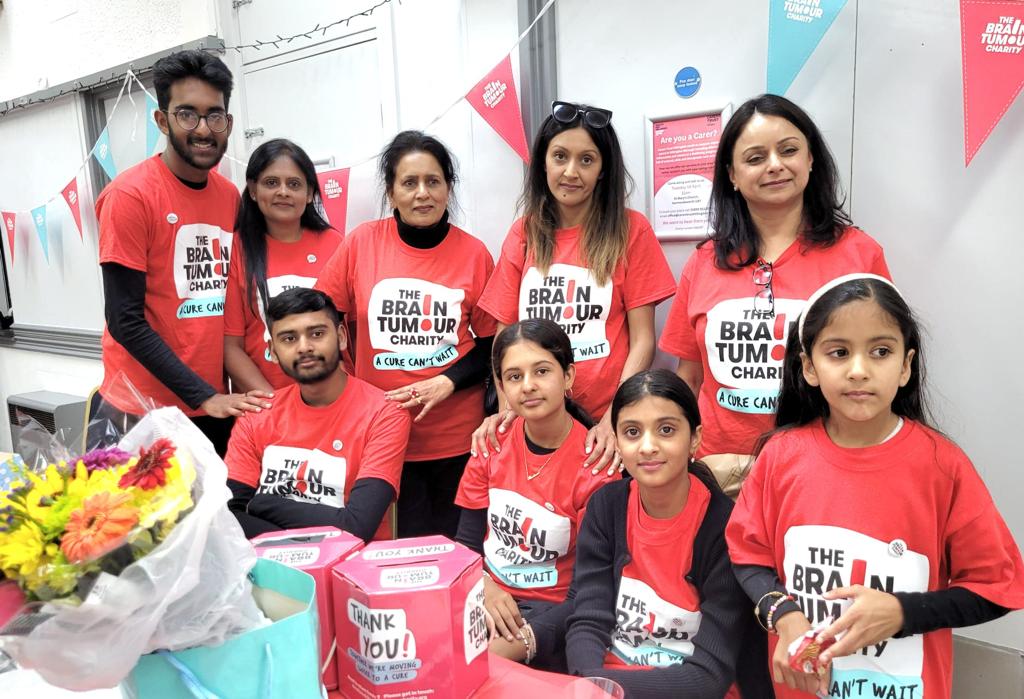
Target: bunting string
{"x":489,"y":93}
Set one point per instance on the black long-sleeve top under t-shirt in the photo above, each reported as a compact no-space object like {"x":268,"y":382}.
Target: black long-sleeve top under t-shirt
{"x":729,"y":635}
{"x":923,"y":612}
{"x":362,"y":514}
{"x":124,"y":292}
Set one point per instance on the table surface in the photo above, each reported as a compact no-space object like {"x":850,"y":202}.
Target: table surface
{"x":509,"y":680}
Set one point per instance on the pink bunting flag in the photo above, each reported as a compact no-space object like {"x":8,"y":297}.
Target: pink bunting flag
{"x":9,"y":219}
{"x":992,"y":39}
{"x":334,"y":191}
{"x":496,"y":100}
{"x":70,"y":194}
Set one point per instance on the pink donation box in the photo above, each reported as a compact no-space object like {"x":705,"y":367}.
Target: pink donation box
{"x":314,"y":550}
{"x":409,"y":618}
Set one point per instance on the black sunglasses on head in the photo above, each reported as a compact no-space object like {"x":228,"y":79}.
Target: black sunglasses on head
{"x":567,"y":113}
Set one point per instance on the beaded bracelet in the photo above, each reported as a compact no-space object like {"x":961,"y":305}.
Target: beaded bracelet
{"x":757,"y":607}
{"x":771,"y":611}
{"x":530,"y":641}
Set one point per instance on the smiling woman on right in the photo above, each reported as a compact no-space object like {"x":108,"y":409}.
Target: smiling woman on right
{"x":779,"y":232}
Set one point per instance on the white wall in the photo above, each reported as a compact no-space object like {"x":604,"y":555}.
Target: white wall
{"x":626,"y":57}
{"x":952,"y":236}
{"x":48,"y":43}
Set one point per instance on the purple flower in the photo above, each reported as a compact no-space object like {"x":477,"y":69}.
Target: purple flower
{"x":105,"y":458}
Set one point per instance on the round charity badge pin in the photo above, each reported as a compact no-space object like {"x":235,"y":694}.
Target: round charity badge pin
{"x":549,"y":506}
{"x":311,"y":258}
{"x":336,"y":444}
{"x":172,"y":218}
{"x":897,"y":547}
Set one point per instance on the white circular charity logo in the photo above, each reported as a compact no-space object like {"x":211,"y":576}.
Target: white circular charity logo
{"x":336,"y":444}
{"x":311,"y":259}
{"x":897,"y":547}
{"x":172,"y":218}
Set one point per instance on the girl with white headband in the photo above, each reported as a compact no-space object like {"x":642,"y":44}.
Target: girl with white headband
{"x":859,"y":523}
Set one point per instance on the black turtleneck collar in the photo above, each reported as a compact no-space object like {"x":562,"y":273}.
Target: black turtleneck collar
{"x":422,"y":238}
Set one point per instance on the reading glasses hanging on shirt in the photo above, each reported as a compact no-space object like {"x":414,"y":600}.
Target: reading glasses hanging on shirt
{"x":764,"y":299}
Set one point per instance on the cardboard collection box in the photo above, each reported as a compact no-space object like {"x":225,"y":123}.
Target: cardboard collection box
{"x":314,"y":550}
{"x":409,"y":620}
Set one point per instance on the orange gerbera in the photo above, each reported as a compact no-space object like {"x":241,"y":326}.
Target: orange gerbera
{"x":96,"y":528}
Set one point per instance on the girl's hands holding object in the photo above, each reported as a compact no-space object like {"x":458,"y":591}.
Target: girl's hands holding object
{"x":791,"y":627}
{"x":600,"y":446}
{"x":874,"y":616}
{"x":503,"y":610}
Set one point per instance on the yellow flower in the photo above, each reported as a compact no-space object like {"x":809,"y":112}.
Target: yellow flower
{"x":164,"y":505}
{"x":21,"y":549}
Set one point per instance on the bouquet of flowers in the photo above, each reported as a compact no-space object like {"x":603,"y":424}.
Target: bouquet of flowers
{"x":61,"y":529}
{"x":123,"y":551}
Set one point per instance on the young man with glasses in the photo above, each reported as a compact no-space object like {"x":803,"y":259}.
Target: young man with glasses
{"x":165,"y":244}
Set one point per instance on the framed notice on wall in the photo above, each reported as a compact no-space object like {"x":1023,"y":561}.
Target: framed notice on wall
{"x":680,"y":166}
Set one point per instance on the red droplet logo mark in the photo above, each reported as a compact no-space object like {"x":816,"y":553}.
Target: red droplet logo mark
{"x":779,"y":331}
{"x":569,"y":292}
{"x":426,"y":324}
{"x":300,"y":478}
{"x":527,"y":523}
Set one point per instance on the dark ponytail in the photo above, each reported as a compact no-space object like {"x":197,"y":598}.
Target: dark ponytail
{"x":549,"y":336}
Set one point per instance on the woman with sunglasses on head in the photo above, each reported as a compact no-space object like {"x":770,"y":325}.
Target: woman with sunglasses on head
{"x":579,"y":257}
{"x":284,"y":242}
{"x":412,"y":283}
{"x":779,"y":232}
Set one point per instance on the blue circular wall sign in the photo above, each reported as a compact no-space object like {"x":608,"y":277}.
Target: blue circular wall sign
{"x":687,"y":82}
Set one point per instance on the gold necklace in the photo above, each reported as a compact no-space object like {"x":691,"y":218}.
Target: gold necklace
{"x":526,"y":456}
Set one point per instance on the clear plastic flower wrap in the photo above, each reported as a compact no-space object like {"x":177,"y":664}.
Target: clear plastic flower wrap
{"x":122,"y":552}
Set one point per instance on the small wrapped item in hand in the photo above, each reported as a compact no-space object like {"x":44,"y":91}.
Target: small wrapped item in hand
{"x":804,"y":650}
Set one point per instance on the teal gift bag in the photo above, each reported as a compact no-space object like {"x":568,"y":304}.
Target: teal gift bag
{"x":280,"y":661}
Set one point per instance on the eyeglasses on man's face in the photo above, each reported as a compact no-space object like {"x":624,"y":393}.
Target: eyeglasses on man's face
{"x":188,"y":119}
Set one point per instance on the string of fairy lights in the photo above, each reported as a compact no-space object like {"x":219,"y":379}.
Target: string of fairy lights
{"x":115,"y":76}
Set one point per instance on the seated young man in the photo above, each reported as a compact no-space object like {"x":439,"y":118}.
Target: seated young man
{"x":330,"y":450}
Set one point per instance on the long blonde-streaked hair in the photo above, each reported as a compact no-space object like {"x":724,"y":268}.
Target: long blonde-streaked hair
{"x":606,"y":227}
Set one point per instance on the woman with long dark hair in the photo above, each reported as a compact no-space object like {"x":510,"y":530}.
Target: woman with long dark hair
{"x":778,"y":232}
{"x":411,"y":284}
{"x":281,"y":241}
{"x":580,"y":257}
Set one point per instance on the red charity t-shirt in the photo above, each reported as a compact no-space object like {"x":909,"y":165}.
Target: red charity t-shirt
{"x":416,"y":314}
{"x":908,"y":515}
{"x":316,"y":454}
{"x":593,"y":316}
{"x":181,"y":238}
{"x":530,"y":545}
{"x":657,"y":611}
{"x":289,"y":265}
{"x":713,"y":321}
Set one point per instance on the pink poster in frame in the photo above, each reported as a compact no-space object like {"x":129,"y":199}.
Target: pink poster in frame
{"x":680,"y":168}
